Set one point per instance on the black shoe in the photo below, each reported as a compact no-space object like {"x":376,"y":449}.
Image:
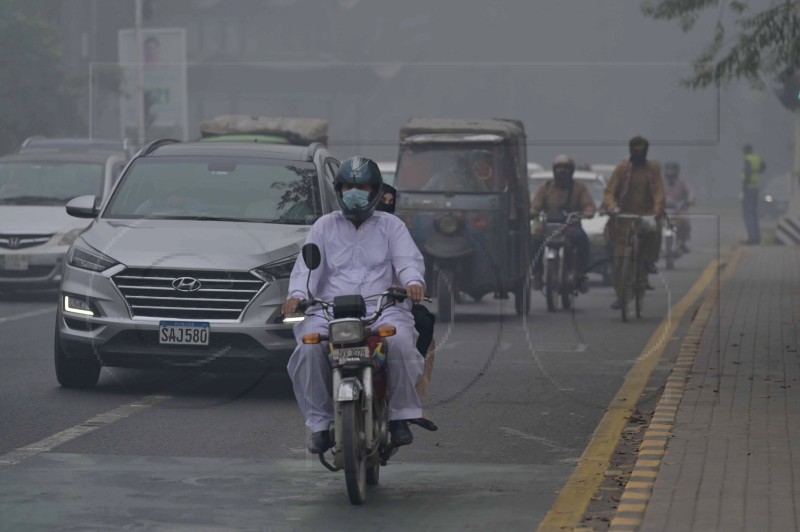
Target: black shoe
{"x":319,"y":442}
{"x":401,"y":434}
{"x":617,"y":304}
{"x":650,"y":267}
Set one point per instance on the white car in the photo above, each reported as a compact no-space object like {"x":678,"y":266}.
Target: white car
{"x":594,"y":227}
{"x":35,"y":230}
{"x":534,"y":168}
{"x":388,"y":169}
{"x":604,"y":170}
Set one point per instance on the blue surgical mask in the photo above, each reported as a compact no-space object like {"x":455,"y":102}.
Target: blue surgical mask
{"x":355,"y":198}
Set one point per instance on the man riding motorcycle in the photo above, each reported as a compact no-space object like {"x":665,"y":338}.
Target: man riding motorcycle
{"x":635,"y":187}
{"x":560,"y":195}
{"x":679,"y":195}
{"x":363,"y":252}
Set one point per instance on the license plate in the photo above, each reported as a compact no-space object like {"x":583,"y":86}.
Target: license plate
{"x":345,"y":354}
{"x":183,"y":333}
{"x":14,"y":262}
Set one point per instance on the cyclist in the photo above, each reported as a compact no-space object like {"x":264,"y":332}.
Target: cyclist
{"x":635,"y":187}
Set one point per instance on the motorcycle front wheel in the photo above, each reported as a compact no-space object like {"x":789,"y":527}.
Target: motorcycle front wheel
{"x":354,"y":451}
{"x":551,"y":285}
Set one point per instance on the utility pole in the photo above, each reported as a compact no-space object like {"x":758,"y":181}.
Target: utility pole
{"x":140,"y":75}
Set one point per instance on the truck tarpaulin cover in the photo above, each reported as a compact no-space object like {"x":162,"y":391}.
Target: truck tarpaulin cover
{"x":296,"y":130}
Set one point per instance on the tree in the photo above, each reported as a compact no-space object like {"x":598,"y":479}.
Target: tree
{"x":35,"y":97}
{"x":767,"y":43}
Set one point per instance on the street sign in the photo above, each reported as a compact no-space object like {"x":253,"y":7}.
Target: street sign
{"x":162,"y":60}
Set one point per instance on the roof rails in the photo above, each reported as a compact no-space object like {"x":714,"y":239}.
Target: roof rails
{"x":312,"y":149}
{"x":154,"y":145}
{"x":30,"y":139}
{"x":75,"y":144}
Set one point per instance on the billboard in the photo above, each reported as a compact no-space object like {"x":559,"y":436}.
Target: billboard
{"x":157,"y":60}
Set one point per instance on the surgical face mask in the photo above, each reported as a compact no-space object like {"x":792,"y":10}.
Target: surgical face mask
{"x":355,"y":198}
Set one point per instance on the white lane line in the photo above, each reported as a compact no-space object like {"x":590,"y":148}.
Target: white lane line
{"x":30,"y":314}
{"x":47,"y":444}
{"x":538,"y":439}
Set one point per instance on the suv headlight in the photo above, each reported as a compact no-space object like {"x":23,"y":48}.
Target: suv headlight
{"x":89,"y":259}
{"x":271,"y":272}
{"x":346,"y":332}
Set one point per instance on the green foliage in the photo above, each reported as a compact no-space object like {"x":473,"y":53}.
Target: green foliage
{"x":35,"y":97}
{"x":765,"y":44}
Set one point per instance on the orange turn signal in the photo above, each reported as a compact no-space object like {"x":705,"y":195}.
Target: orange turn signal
{"x":386,"y":330}
{"x":311,"y":338}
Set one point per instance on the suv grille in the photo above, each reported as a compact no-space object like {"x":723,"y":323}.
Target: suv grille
{"x":23,"y":241}
{"x":151,"y":292}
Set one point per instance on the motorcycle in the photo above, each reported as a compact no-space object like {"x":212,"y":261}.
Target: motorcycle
{"x":561,"y":277}
{"x":358,"y":357}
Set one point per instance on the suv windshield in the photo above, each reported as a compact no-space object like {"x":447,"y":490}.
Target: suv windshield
{"x":48,"y":183}
{"x":218,"y":188}
{"x":451,"y":168}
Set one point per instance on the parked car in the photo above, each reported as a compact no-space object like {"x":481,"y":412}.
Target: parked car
{"x":534,"y":167}
{"x":594,"y":227}
{"x":187,"y":264}
{"x":35,"y":184}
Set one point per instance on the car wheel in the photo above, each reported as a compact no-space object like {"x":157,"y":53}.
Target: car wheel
{"x":73,"y":373}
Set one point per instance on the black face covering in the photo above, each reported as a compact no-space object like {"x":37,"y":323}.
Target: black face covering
{"x":387,"y":189}
{"x":562,"y":177}
{"x":638,"y":155}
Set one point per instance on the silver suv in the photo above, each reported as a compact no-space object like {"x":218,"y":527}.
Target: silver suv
{"x":188,"y":262}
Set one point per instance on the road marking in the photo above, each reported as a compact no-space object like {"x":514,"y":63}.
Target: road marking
{"x":101,"y":420}
{"x":567,"y":512}
{"x":90,"y":425}
{"x":30,"y":314}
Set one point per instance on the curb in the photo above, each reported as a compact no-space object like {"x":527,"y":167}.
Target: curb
{"x":639,"y":488}
{"x":788,"y":230}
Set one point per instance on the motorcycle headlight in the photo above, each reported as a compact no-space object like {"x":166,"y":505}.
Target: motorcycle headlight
{"x":447,"y":225}
{"x":89,"y":259}
{"x":271,"y":272}
{"x":346,"y":331}
{"x":70,"y":237}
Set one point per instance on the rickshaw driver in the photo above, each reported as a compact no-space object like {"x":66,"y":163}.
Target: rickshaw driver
{"x":363,"y":252}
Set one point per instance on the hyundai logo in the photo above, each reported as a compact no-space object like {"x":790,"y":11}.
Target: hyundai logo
{"x":13,"y":242}
{"x":186,"y":284}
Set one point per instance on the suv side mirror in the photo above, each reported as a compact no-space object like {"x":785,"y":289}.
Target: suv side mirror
{"x":83,"y":207}
{"x":312,"y":256}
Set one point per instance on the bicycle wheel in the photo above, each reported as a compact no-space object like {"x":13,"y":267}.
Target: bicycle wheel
{"x":627,"y":275}
{"x":639,"y":279}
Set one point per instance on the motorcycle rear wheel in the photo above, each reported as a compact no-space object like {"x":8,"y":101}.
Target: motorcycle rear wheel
{"x":354,"y":451}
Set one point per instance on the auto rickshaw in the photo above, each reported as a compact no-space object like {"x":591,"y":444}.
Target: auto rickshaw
{"x":463,"y":193}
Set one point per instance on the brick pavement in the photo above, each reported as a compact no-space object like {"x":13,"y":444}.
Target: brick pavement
{"x":733,"y":460}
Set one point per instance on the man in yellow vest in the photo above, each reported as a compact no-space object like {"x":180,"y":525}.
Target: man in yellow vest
{"x":751,"y":181}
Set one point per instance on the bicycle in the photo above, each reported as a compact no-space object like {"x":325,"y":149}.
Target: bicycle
{"x":632,"y":276}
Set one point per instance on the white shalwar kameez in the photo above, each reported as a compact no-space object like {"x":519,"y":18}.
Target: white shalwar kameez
{"x":366,"y":261}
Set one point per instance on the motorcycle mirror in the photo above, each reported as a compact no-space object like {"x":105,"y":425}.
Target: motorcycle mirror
{"x":311,"y":256}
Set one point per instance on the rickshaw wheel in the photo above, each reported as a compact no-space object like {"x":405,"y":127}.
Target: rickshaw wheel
{"x":445,"y":294}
